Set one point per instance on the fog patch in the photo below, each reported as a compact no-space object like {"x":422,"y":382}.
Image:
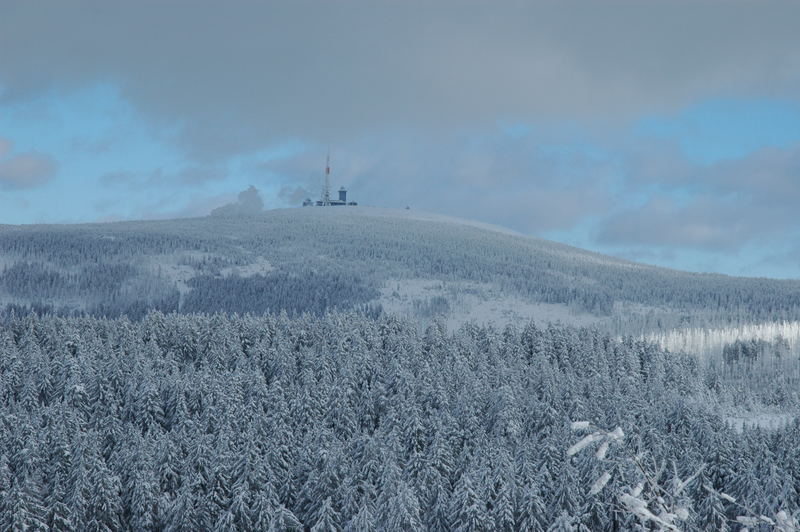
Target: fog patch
{"x":249,"y":203}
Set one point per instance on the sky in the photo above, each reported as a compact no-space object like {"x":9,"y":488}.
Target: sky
{"x":665,"y":131}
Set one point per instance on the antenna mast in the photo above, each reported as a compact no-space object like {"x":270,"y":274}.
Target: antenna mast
{"x":326,"y":192}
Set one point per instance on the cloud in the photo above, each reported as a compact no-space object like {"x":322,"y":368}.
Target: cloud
{"x":335,"y":71}
{"x":177,"y":204}
{"x":521,"y":182}
{"x":5,"y":147}
{"x":193,"y":206}
{"x":660,"y":163}
{"x":201,"y":174}
{"x":769,"y":177}
{"x":294,"y":195}
{"x":23,"y":170}
{"x":724,"y":206}
{"x":119,"y":177}
{"x":190,"y":175}
{"x":704,"y":223}
{"x":249,"y":203}
{"x":26,"y":170}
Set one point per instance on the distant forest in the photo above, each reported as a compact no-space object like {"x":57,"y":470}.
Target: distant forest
{"x":324,"y":261}
{"x":344,"y":422}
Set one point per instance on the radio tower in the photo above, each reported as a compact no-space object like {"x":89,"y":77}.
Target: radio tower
{"x":326,"y":192}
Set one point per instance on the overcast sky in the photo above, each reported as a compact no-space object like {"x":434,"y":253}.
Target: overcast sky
{"x":664,"y":131}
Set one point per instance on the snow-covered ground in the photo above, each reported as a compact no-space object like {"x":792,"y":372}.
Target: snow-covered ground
{"x":410,"y":214}
{"x":260,"y":266}
{"x":762,"y":420}
{"x":555,"y":248}
{"x":471,"y":302}
{"x":173,"y":269}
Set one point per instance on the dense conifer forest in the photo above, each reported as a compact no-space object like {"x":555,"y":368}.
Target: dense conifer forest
{"x":235,"y":373}
{"x":349,"y":422}
{"x":338,"y":366}
{"x":314,"y":260}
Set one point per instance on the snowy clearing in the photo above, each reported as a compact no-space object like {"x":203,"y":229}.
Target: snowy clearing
{"x":761,"y":420}
{"x":259,"y":267}
{"x":463,"y":302}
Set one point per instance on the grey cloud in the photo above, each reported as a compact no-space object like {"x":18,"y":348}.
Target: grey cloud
{"x":777,"y":263}
{"x":26,"y":170}
{"x":703,"y":224}
{"x":294,"y":195}
{"x":770,"y":175}
{"x":248,"y":203}
{"x":239,"y":77}
{"x":661,"y":163}
{"x":5,"y":147}
{"x":766,"y":174}
{"x":734,"y":203}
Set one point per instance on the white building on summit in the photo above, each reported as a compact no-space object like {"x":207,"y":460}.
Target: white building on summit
{"x":326,"y":200}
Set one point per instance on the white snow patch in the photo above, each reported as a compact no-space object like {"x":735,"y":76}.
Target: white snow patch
{"x":174,"y":270}
{"x":761,"y":420}
{"x":174,"y":273}
{"x":259,"y":267}
{"x":471,"y":302}
{"x":710,"y":342}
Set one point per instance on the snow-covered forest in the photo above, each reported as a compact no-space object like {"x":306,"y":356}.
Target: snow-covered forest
{"x":314,"y":260}
{"x":285,"y":266}
{"x":350,"y":422}
{"x":241,"y":373}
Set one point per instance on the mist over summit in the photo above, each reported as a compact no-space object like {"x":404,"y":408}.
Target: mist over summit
{"x":249,"y":202}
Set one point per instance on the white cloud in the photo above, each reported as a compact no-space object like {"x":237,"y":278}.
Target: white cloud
{"x":26,"y":170}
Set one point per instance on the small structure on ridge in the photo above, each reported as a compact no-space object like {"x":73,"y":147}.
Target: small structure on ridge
{"x":326,"y":200}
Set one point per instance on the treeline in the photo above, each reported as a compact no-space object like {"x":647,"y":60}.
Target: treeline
{"x":32,"y":280}
{"x":77,"y":245}
{"x":342,"y":422}
{"x":302,"y":291}
{"x":293,"y":292}
{"x":104,"y":289}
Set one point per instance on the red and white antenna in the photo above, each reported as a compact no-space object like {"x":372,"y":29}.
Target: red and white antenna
{"x":326,"y":192}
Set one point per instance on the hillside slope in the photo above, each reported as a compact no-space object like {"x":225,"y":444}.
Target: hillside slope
{"x":312,"y":260}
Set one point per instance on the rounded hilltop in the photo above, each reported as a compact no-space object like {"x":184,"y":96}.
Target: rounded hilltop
{"x":414,"y":264}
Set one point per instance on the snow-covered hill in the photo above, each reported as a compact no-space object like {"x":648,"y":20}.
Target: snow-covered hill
{"x":346,"y":420}
{"x":413,"y":264}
